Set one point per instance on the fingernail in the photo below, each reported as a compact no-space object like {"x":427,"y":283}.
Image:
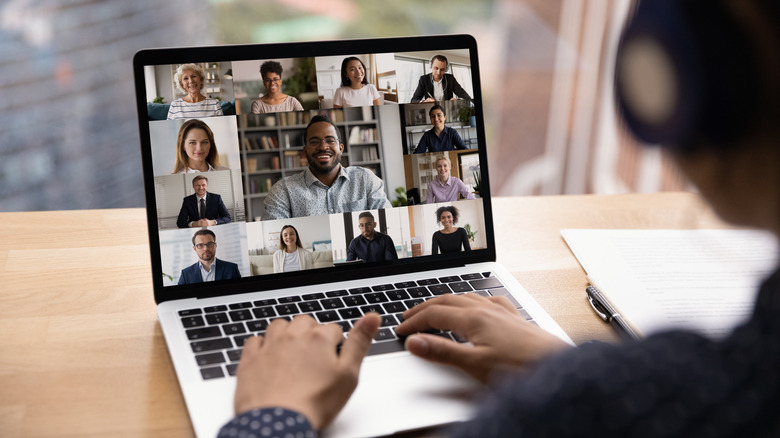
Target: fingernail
{"x":417,"y":345}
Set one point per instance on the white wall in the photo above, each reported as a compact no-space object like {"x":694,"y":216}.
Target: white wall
{"x":392,"y":149}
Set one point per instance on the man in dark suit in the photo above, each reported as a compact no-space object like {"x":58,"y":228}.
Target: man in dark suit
{"x":202,"y":209}
{"x":209,"y":267}
{"x":438,"y":85}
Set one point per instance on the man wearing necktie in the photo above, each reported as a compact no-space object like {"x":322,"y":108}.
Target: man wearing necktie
{"x":202,"y":208}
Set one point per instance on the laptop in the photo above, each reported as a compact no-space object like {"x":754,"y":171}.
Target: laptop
{"x":245,"y":141}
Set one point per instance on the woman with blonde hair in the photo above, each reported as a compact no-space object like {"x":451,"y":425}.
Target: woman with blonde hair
{"x":195,"y":148}
{"x":445,"y":188}
{"x":190,"y":79}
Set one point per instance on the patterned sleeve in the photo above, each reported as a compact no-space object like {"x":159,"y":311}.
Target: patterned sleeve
{"x":268,"y":422}
{"x":377,"y":198}
{"x":277,"y":204}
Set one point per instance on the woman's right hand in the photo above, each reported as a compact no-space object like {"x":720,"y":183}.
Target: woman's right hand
{"x":501,"y":338}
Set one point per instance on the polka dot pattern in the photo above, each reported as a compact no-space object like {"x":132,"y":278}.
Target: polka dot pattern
{"x":268,"y":422}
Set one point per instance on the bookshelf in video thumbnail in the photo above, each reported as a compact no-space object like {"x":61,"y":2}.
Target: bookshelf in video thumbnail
{"x":272,"y":147}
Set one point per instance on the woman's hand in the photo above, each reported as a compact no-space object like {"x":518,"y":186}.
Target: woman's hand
{"x":296,"y":366}
{"x":501,"y":338}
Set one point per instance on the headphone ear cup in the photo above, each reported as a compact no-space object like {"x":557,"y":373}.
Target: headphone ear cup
{"x":684,"y":74}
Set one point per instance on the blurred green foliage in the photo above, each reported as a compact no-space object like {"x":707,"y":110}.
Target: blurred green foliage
{"x":244,"y":21}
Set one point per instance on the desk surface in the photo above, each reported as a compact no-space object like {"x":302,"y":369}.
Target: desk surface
{"x":82,"y":354}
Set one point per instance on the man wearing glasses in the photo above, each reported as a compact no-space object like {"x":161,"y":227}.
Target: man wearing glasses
{"x":371,"y":245}
{"x":208,"y":267}
{"x":325,"y":187}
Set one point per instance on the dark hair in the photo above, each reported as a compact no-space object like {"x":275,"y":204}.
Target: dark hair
{"x":437,"y":107}
{"x":198,"y":178}
{"x":366,"y":214}
{"x":441,"y":58}
{"x":297,"y":237}
{"x":317,"y":119}
{"x":449,"y":208}
{"x":344,"y":79}
{"x":182,"y":161}
{"x":270,"y":67}
{"x":203,"y":233}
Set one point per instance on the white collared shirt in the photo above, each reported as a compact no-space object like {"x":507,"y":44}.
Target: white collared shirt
{"x":438,"y":89}
{"x":208,"y":275}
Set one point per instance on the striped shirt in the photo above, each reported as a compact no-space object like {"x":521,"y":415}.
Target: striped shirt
{"x":180,"y":109}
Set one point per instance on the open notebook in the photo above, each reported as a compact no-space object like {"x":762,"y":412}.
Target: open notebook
{"x":219,"y":271}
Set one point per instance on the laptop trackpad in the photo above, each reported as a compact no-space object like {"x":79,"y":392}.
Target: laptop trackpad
{"x":387,"y":401}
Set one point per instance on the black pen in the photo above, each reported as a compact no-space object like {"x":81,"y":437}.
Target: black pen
{"x":605,"y":311}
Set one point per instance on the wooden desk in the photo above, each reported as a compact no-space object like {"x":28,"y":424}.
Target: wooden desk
{"x":82,"y":354}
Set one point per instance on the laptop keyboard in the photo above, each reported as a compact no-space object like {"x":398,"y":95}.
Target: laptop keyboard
{"x":217,"y":333}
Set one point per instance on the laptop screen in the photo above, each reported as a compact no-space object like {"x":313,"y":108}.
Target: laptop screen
{"x":288,"y":164}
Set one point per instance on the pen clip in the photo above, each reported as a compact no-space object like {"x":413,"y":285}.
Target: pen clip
{"x":599,"y":308}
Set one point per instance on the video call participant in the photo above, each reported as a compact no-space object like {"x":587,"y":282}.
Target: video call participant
{"x":291,"y":256}
{"x":672,"y":384}
{"x":355,"y":89}
{"x":208,"y":267}
{"x":440,"y":137}
{"x":325,"y":187}
{"x":190,"y":79}
{"x":446,"y":188}
{"x":274,"y":101}
{"x":202,"y":208}
{"x":450,"y":238}
{"x":371,"y":245}
{"x":195,"y":149}
{"x":438,"y":85}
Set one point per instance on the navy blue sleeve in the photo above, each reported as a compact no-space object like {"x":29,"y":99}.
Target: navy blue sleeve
{"x":224,"y":215}
{"x":422,"y":146}
{"x":268,"y":422}
{"x":183,"y":220}
{"x":457,"y":142}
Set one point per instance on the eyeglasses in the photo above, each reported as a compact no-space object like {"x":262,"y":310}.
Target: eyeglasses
{"x":209,"y":245}
{"x":274,"y":80}
{"x":315,"y":142}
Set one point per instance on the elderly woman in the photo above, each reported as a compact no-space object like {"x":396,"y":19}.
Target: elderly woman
{"x":274,"y":101}
{"x":450,"y":238}
{"x":291,"y":256}
{"x":445,"y":188}
{"x":195,"y":148}
{"x":190,"y":78}
{"x":355,"y":89}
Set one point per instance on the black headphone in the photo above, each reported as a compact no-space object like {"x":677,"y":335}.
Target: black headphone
{"x":686,"y":74}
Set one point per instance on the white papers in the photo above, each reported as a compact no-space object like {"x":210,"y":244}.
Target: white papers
{"x":703,"y":280}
